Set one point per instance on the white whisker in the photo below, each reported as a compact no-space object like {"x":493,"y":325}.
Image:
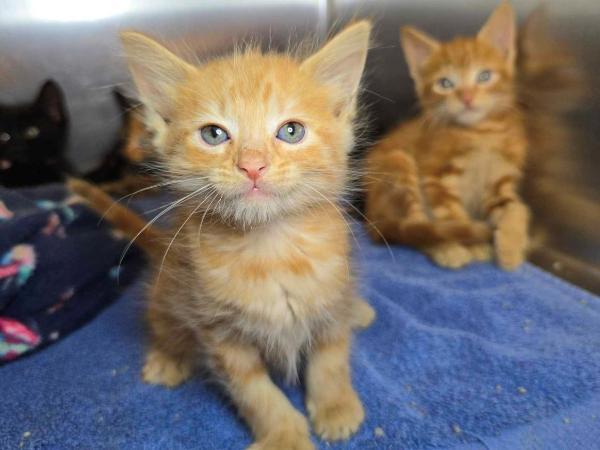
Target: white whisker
{"x":150,"y":223}
{"x":154,"y":186}
{"x":175,"y":236}
{"x":373,"y":226}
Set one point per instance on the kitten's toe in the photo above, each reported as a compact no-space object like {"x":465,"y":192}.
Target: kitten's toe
{"x":510,"y":249}
{"x":482,"y":252}
{"x":161,"y":368}
{"x":304,"y":444}
{"x":281,"y":442}
{"x":362,"y":313}
{"x":338,"y":418}
{"x":450,"y":255}
{"x":292,"y":434}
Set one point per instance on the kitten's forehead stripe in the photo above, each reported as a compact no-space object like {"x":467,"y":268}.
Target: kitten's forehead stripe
{"x":267,"y":91}
{"x":464,"y":53}
{"x":255,"y":94}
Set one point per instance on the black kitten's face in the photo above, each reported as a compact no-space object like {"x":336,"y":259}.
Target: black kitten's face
{"x":32,"y":139}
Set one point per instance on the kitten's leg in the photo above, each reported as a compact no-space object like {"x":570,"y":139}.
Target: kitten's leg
{"x":395,"y":204}
{"x":445,"y":204}
{"x":510,"y":218}
{"x":170,"y":359}
{"x":443,"y":198}
{"x":393,"y":194}
{"x":333,"y":405}
{"x":274,"y":422}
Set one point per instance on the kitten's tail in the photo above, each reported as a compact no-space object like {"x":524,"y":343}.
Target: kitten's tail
{"x":427,"y":233}
{"x":122,"y":218}
{"x":551,"y":85}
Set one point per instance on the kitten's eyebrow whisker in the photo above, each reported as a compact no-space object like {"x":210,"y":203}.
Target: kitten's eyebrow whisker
{"x":107,"y":86}
{"x":376,"y":94}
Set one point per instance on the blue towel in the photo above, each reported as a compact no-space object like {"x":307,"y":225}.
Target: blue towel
{"x":472,"y":359}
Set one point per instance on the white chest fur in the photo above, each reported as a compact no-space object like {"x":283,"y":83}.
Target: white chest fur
{"x":276,"y":284}
{"x":482,"y":168}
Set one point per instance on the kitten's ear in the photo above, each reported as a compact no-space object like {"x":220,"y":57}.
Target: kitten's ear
{"x":340,"y":63}
{"x":418,"y":48}
{"x":499,"y":31}
{"x":155,"y":70}
{"x":50,"y":102}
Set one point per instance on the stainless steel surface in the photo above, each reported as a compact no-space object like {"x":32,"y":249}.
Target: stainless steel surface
{"x":75,"y":42}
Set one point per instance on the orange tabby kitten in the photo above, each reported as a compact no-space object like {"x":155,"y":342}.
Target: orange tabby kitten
{"x":256,"y":273}
{"x":461,"y":159}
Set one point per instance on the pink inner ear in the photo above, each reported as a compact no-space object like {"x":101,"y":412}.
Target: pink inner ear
{"x":501,"y":40}
{"x":422,"y":52}
{"x":499,"y":31}
{"x":418,"y":49}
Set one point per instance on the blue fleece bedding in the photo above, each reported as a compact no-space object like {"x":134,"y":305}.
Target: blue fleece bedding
{"x":477,"y":358}
{"x":58,"y":267}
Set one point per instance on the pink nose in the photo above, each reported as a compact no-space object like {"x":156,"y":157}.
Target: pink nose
{"x":467,"y":98}
{"x":253,"y":165}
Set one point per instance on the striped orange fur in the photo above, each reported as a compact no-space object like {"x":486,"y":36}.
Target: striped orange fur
{"x":254,"y":274}
{"x":448,"y":181}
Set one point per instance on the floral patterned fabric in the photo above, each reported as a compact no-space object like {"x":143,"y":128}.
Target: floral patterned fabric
{"x":58,"y":267}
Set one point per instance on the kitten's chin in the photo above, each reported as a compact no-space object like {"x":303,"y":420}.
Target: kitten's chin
{"x":257,"y":194}
{"x":253,"y":208}
{"x":470,"y":117}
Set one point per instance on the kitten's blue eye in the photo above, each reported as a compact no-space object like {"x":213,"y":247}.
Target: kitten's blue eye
{"x":213,"y":135}
{"x":484,"y":76}
{"x":291,"y":132}
{"x":445,"y":83}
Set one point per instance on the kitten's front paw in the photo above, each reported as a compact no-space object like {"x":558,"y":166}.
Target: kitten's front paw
{"x":280,"y":442}
{"x":161,"y":368}
{"x":362,"y":313}
{"x":293,"y":435}
{"x":337,"y":418}
{"x":482,"y":252}
{"x":450,"y":255}
{"x":510,"y":248}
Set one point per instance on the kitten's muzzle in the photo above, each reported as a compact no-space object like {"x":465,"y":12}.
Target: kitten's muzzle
{"x":253,"y":165}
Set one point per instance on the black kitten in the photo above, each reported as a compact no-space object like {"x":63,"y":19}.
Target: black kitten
{"x":33,"y":140}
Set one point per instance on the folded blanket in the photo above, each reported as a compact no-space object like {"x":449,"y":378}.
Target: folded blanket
{"x":469,"y":359}
{"x":58,"y":267}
